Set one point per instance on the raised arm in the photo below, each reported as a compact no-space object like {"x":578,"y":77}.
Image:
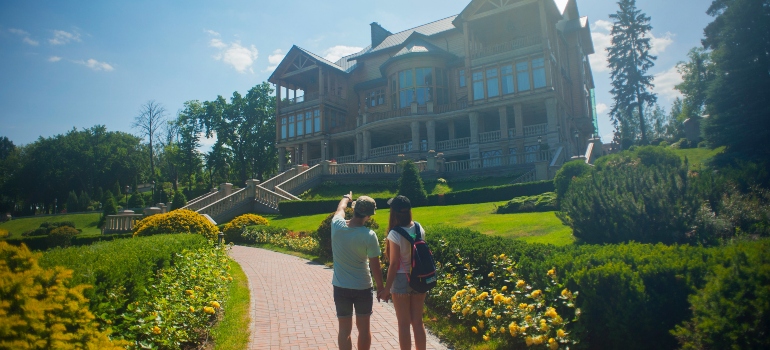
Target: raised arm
{"x":343,"y":204}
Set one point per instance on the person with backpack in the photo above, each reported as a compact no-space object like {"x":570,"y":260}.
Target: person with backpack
{"x":411,"y":272}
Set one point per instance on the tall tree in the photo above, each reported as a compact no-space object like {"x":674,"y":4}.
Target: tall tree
{"x":697,"y":74}
{"x":152,"y":116}
{"x":739,"y":115}
{"x":189,"y":125}
{"x":629,"y":60}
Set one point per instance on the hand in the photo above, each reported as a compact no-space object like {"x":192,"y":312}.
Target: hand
{"x":349,"y":196}
{"x":383,"y":295}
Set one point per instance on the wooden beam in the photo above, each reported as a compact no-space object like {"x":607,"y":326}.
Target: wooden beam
{"x":501,"y":9}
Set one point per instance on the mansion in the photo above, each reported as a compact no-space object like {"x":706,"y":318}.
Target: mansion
{"x":505,"y":83}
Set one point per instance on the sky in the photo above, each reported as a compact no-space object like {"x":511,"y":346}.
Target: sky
{"x":76,"y":64}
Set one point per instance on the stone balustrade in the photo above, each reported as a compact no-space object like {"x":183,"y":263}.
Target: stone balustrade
{"x":453,"y":144}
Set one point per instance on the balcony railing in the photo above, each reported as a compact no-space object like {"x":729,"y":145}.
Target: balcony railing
{"x":403,"y":112}
{"x":489,"y":136}
{"x":307,"y":97}
{"x":537,"y":129}
{"x":346,"y":159}
{"x":373,"y":117}
{"x":453,"y":144}
{"x":498,"y":161}
{"x":515,"y":44}
{"x":390,"y":149}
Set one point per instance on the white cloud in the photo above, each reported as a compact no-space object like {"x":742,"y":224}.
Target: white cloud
{"x":334,"y":53}
{"x":236,"y":55}
{"x":96,"y":65}
{"x":601,"y":108}
{"x":25,"y":36}
{"x":658,"y":45}
{"x":665,"y":82}
{"x":211,"y":32}
{"x":274,"y":60}
{"x":217,"y":44}
{"x":54,"y":59}
{"x":600,"y":34}
{"x":61,"y":37}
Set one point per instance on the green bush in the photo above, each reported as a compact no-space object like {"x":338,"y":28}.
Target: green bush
{"x":46,"y":228}
{"x":176,"y":221}
{"x":527,"y":204}
{"x":234,"y":228}
{"x":179,"y":200}
{"x":310,"y":207}
{"x":62,"y":236}
{"x":135,"y":201}
{"x":282,"y":237}
{"x":109,"y":207}
{"x":324,"y":232}
{"x":568,"y":172}
{"x":491,"y":193}
{"x":73,"y":205}
{"x":410,"y":184}
{"x":44,"y":243}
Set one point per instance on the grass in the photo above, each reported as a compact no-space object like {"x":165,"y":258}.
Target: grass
{"x":231,"y":333}
{"x":697,"y":156}
{"x":86,"y":222}
{"x":531,"y":227}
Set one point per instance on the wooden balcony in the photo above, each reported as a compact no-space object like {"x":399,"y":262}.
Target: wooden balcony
{"x":515,"y":44}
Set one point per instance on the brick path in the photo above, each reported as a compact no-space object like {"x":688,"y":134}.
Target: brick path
{"x":292,"y":306}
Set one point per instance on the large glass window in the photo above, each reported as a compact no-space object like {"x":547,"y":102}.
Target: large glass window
{"x":291,"y":126}
{"x":393,"y":89}
{"x":283,"y":127}
{"x":406,"y":88}
{"x":376,"y":98}
{"x":530,"y":155}
{"x":507,"y":78}
{"x":317,"y":120}
{"x":308,"y":122}
{"x":538,"y":73}
{"x":424,"y":84}
{"x":461,"y":77}
{"x":478,"y":85}
{"x":492,"y":89}
{"x":300,"y":124}
{"x":522,"y":75}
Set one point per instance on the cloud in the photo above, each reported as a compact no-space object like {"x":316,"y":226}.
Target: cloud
{"x":206,"y":144}
{"x":601,"y":108}
{"x":334,"y":53}
{"x":61,"y":37}
{"x":217,"y":44}
{"x":54,"y":59}
{"x":665,"y":82}
{"x":96,"y":65}
{"x":274,"y":60}
{"x":25,"y":36}
{"x":239,"y":57}
{"x":600,"y":34}
{"x":658,"y":45}
{"x":211,"y":32}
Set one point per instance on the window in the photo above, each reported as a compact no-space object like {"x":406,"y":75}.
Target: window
{"x":514,"y":159}
{"x":461,"y":76}
{"x":492,"y":88}
{"x":522,"y":76}
{"x":291,"y":126}
{"x":538,"y":73}
{"x":424,"y":84}
{"x":300,"y":124}
{"x":406,"y":92}
{"x":491,"y":158}
{"x":308,"y":122}
{"x":530,"y":155}
{"x":507,"y":78}
{"x":317,"y":120}
{"x":283,"y":128}
{"x":376,"y":98}
{"x":393,"y":89}
{"x":478,"y":85}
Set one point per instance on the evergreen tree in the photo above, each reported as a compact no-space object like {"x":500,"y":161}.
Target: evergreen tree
{"x":179,"y":200}
{"x":675,"y":122}
{"x":629,"y":59}
{"x":84,"y":201}
{"x":72,"y":202}
{"x":410,"y":184}
{"x":739,"y":115}
{"x":109,"y":207}
{"x":135,"y":201}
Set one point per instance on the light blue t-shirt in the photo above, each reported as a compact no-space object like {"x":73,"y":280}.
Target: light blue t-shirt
{"x":351,"y":249}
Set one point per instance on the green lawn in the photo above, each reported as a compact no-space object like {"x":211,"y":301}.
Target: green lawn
{"x":697,"y":156}
{"x":530,"y":227}
{"x":86,"y":222}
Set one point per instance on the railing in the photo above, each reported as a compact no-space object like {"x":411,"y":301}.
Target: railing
{"x":270,"y":198}
{"x":506,"y":46}
{"x":537,"y":129}
{"x":402,"y":112}
{"x":489,"y":136}
{"x":450,"y":107}
{"x":421,"y":165}
{"x":299,"y":99}
{"x":590,"y":153}
{"x":390,"y":149}
{"x":364,"y":168}
{"x":529,"y":176}
{"x":296,"y":181}
{"x":121,"y":223}
{"x":312,"y":162}
{"x":373,"y":117}
{"x":453,"y":144}
{"x":498,"y":161}
{"x":275,"y":180}
{"x":511,"y":133}
{"x":203,"y":201}
{"x":345,"y":159}
{"x":335,"y":99}
{"x":555,"y":159}
{"x":226,"y":204}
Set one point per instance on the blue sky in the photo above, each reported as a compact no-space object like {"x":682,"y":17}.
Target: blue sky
{"x":66,"y":64}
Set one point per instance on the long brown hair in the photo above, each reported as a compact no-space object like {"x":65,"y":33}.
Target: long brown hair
{"x":397,"y":218}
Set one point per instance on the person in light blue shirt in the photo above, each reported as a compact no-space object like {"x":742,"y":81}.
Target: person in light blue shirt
{"x":356,"y":255}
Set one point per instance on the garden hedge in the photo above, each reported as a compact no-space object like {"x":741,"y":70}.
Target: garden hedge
{"x":492,"y":193}
{"x":44,"y":242}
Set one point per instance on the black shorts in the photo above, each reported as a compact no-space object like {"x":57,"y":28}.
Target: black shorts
{"x":345,"y":299}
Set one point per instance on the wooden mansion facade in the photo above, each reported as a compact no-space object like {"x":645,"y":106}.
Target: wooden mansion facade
{"x":506,"y":83}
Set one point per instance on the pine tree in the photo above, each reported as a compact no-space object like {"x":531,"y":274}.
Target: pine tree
{"x":629,"y":59}
{"x":739,"y":115}
{"x":72,"y":202}
{"x":410,"y":184}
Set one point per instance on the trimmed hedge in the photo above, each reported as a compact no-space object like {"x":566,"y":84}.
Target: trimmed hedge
{"x":528,"y":204}
{"x":300,"y":208}
{"x":44,"y":242}
{"x":492,"y":193}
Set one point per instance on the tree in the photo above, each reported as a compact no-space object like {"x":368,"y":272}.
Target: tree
{"x":410,"y":184}
{"x":739,"y":38}
{"x":109,"y":207}
{"x":675,"y":122}
{"x":190,"y":127}
{"x":72,"y":202}
{"x":629,"y":59}
{"x":697,"y":74}
{"x":84,"y":201}
{"x":6,"y":147}
{"x":152,"y":116}
{"x":179,"y":200}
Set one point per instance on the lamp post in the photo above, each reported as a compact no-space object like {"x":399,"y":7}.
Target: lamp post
{"x":153,"y":191}
{"x":577,"y":147}
{"x":127,"y":188}
{"x":539,"y":146}
{"x":55,"y":204}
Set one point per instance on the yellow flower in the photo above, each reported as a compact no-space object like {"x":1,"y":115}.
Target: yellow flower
{"x":481,"y":324}
{"x":536,"y":293}
{"x":492,"y":329}
{"x":528,"y":319}
{"x":192,"y":309}
{"x":502,"y":256}
{"x":483,"y":295}
{"x":498,"y":317}
{"x":486,"y":337}
{"x":493,"y":292}
{"x":531,"y":307}
{"x":529,"y":341}
{"x":467,"y":277}
{"x":494,"y":256}
{"x":520,"y":283}
{"x":467,"y":265}
{"x":502,"y":330}
{"x":466,"y":311}
{"x":488,"y":313}
{"x":538,"y":340}
{"x":523,"y":306}
{"x":560,"y":333}
{"x":566,"y":293}
{"x":229,"y":279}
{"x":513,"y":328}
{"x":454,"y":299}
{"x":214,"y":304}
{"x":209,"y":310}
{"x":190,"y":292}
{"x":491,"y":274}
{"x":499,"y":298}
{"x":473,"y":291}
{"x":479,"y":313}
{"x":156,"y":330}
{"x":551,"y":312}
{"x":504,"y":288}
{"x":474,"y":329}
{"x":552,"y":272}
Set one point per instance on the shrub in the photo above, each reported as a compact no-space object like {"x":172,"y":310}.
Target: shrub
{"x":177,"y":221}
{"x":44,"y":242}
{"x":663,"y":144}
{"x":40,"y":310}
{"x":46,"y":228}
{"x":135,"y":201}
{"x":324,"y":232}
{"x":492,"y":193}
{"x":109,"y":207}
{"x":526,"y":204}
{"x":310,"y":207}
{"x":4,"y":233}
{"x":234,"y":228}
{"x":84,"y":201}
{"x":179,"y":200}
{"x":281,"y":237}
{"x":73,"y":204}
{"x":410,"y":184}
{"x":568,"y":172}
{"x":62,"y":236}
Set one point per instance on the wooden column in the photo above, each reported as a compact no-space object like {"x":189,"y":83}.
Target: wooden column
{"x":431,"y":125}
{"x":519,"y":119}
{"x":320,"y":81}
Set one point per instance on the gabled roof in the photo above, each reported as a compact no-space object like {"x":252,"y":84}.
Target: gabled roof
{"x":342,"y":65}
{"x":475,"y":5}
{"x":416,"y":44}
{"x":399,"y":38}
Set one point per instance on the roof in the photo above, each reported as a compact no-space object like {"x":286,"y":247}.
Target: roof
{"x":320,"y":59}
{"x":416,"y":44}
{"x":399,"y":38}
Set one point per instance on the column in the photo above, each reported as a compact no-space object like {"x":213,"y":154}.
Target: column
{"x":519,"y":119}
{"x":551,"y":113}
{"x":367,"y":142}
{"x":451,"y":127}
{"x":473,"y":148}
{"x":359,"y":146}
{"x":415,"y":136}
{"x":281,"y":159}
{"x":325,"y":149}
{"x":305,"y":153}
{"x":431,"y":135}
{"x":503,"y":111}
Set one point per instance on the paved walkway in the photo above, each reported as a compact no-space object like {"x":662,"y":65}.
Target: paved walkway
{"x":292,"y":306}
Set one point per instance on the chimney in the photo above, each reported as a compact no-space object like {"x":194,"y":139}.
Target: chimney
{"x":379,"y":34}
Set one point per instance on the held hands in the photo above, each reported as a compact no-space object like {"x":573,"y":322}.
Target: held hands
{"x":383,"y":295}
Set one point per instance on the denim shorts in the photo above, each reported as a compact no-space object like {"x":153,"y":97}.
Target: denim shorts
{"x":345,"y":299}
{"x":401,"y":285}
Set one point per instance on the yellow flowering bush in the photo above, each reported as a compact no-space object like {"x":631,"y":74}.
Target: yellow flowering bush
{"x":3,"y":233}
{"x":177,"y":221}
{"x":234,"y":228}
{"x":38,"y":309}
{"x":282,"y":237}
{"x":510,"y":309}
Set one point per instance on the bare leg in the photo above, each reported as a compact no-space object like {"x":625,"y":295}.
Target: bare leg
{"x":364,"y":332}
{"x":343,"y":338}
{"x":417,"y":301}
{"x":401,"y":302}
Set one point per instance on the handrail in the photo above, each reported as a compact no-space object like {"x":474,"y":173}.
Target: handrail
{"x":489,"y":136}
{"x":529,"y":176}
{"x":506,"y":46}
{"x":556,"y":156}
{"x":288,"y":174}
{"x":403,"y":112}
{"x":364,"y":168}
{"x":269,"y":198}
{"x":227,"y":203}
{"x":390,"y":149}
{"x":537,"y":129}
{"x":453,"y":144}
{"x":307,"y":97}
{"x":590,"y":153}
{"x":345,"y":159}
{"x":300,"y":179}
{"x":202,"y":201}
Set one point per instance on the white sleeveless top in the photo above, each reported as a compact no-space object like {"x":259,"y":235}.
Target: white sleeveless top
{"x":405,"y":246}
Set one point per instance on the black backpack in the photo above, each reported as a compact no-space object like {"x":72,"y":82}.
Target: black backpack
{"x":423,"y":272}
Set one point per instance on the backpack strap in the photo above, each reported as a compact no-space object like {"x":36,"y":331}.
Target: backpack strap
{"x":403,"y":233}
{"x":418,"y":232}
